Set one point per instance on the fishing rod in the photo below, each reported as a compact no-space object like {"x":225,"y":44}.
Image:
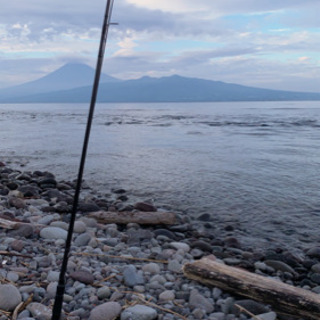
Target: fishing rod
{"x":57,"y":307}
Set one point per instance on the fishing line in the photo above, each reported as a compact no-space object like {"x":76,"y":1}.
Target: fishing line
{"x":57,"y":307}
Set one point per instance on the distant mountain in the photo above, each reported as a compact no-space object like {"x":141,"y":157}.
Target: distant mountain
{"x":146,"y":89}
{"x":69,"y":76}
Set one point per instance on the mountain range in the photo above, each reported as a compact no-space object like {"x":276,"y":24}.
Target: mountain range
{"x":73,"y":83}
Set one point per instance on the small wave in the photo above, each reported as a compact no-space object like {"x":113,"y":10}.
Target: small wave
{"x":174,"y":117}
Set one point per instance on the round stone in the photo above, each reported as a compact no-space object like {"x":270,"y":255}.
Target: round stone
{"x":106,"y":311}
{"x":82,"y":276}
{"x":10,"y":297}
{"x":80,"y":227}
{"x":167,"y":295}
{"x":152,"y":268}
{"x":180,"y":246}
{"x":139,"y":312}
{"x":53,"y":233}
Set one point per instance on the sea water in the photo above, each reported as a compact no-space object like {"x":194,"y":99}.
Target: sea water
{"x":253,"y":164}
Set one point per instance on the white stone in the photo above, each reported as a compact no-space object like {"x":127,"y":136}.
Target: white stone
{"x":53,"y":233}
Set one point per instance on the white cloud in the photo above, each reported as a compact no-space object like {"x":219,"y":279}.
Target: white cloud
{"x":249,"y":41}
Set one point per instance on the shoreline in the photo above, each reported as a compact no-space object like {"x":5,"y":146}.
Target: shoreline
{"x":104,"y":275}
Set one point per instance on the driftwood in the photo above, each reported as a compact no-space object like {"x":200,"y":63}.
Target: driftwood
{"x":135,"y":217}
{"x":282,"y":297}
{"x":8,"y":224}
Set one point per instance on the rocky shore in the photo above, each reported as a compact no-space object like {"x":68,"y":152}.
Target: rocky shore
{"x":127,"y":272}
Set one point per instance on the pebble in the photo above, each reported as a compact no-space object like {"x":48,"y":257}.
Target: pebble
{"x":53,"y":276}
{"x":152,"y":268}
{"x":53,"y":233}
{"x":167,"y":295}
{"x":146,"y":207}
{"x":314,"y":252}
{"x":180,"y":246}
{"x":174,"y":266}
{"x":80,"y":227}
{"x":52,"y":289}
{"x":82,"y":240}
{"x":202,"y":245}
{"x":39,"y":311}
{"x":24,"y":230}
{"x":82,"y":276}
{"x":316,"y":268}
{"x":139,"y":312}
{"x":103,"y":293}
{"x":196,"y":300}
{"x":132,"y":277}
{"x":10,"y":297}
{"x":12,"y":276}
{"x":106,"y":311}
{"x":279,"y":265}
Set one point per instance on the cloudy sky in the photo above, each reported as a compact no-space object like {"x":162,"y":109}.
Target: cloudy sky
{"x":262,"y":43}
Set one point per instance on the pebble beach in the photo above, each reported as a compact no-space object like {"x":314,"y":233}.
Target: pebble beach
{"x":126,"y":272}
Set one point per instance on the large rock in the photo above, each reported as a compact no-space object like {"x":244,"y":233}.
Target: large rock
{"x":10,"y":297}
{"x":106,"y":311}
{"x":53,"y":233}
{"x":139,"y":312}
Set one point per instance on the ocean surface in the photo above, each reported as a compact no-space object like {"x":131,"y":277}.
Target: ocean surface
{"x":255,"y":165}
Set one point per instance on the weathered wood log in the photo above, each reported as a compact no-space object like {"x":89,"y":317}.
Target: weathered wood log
{"x":135,"y":217}
{"x":8,"y":224}
{"x":282,"y":297}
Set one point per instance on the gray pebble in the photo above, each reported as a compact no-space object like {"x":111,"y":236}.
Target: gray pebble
{"x":53,"y":233}
{"x":103,"y":293}
{"x":139,"y":312}
{"x":10,"y":297}
{"x":196,"y":300}
{"x":39,"y":311}
{"x":82,"y":240}
{"x":106,"y":311}
{"x":132,"y":277}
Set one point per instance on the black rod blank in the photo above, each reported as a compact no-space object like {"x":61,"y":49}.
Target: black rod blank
{"x":57,"y":307}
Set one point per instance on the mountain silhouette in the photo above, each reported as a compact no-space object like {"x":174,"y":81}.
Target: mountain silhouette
{"x":73,"y":83}
{"x":69,"y":76}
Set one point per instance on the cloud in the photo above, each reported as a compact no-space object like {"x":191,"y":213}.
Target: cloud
{"x":249,"y":41}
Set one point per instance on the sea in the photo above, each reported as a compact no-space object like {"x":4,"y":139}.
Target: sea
{"x":254,"y":165}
